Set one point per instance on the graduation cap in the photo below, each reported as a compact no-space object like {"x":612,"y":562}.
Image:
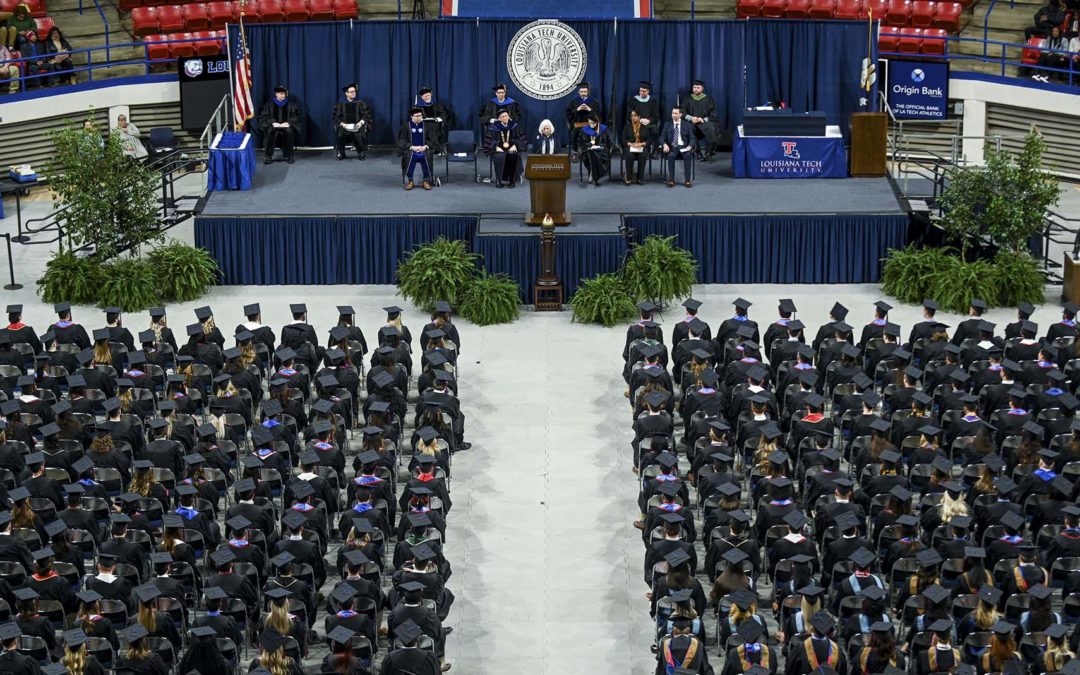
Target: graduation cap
{"x":1040,"y":592}
{"x":850,"y":350}
{"x":271,"y":640}
{"x":990,"y":595}
{"x":1056,"y":631}
{"x":323,"y":406}
{"x":822,"y":622}
{"x":644,"y":84}
{"x":19,"y":494}
{"x":771,"y":431}
{"x":303,"y":489}
{"x":1003,"y":628}
{"x":794,"y":326}
{"x":811,"y":591}
{"x":656,"y":398}
{"x":147,"y":592}
{"x":739,"y":516}
{"x":928,"y":557}
{"x":222,"y":556}
{"x":890,"y":457}
{"x":1062,"y":485}
{"x":238,"y":523}
{"x":750,"y":631}
{"x":742,"y":303}
{"x":245,"y":485}
{"x":907,"y":520}
{"x":847,"y":521}
{"x":203,"y":632}
{"x":9,"y":631}
{"x":744,"y":598}
{"x":88,"y":596}
{"x":871,"y":398}
{"x":669,"y":488}
{"x":881,"y":627}
{"x":341,"y":635}
{"x":1004,"y":485}
{"x":680,"y":595}
{"x":787,"y":305}
{"x":134,"y":632}
{"x":841,"y":327}
{"x":1012,"y":521}
{"x":672,"y":518}
{"x":795,"y":520}
{"x":382,"y":379}
{"x":214,"y":593}
{"x":873,"y":593}
{"x":892,"y":329}
{"x":26,"y":594}
{"x":732,"y":556}
{"x":880,"y":425}
{"x":407,"y":632}
{"x":862,"y":557}
{"x":322,"y":426}
{"x":424,"y":552}
{"x":271,"y":408}
{"x":355,"y":557}
{"x":728,"y":489}
{"x":277,"y":592}
{"x":941,"y":463}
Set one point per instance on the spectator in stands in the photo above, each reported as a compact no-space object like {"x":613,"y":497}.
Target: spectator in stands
{"x":16,"y":26}
{"x":9,"y":71}
{"x":280,"y":118}
{"x":1053,"y":59}
{"x":129,"y":138}
{"x":38,"y":65}
{"x":1045,"y":19}
{"x":61,"y":53}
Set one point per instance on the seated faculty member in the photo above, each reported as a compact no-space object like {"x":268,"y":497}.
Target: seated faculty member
{"x":352,"y":123}
{"x":280,"y":119}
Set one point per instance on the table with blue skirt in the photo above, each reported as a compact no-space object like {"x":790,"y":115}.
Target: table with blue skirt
{"x":231,"y":162}
{"x":790,"y":156}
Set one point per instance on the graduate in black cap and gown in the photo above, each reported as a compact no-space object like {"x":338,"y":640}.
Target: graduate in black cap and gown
{"x":66,"y":331}
{"x":410,"y":658}
{"x":701,"y":112}
{"x":578,"y":111}
{"x":490,"y":110}
{"x":352,"y":123}
{"x":504,"y":142}
{"x":280,"y":119}
{"x":18,"y":331}
{"x":417,"y":143}
{"x":595,"y":148}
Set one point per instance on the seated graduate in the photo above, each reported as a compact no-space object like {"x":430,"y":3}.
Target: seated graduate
{"x":637,"y":143}
{"x":578,"y":111}
{"x":490,"y":110}
{"x":596,"y":149}
{"x":504,"y":142}
{"x":435,"y":111}
{"x":352,"y":123}
{"x":545,"y":142}
{"x":280,"y":119}
{"x":417,"y":143}
{"x":676,"y":141}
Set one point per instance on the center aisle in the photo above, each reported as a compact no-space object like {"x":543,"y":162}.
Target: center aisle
{"x":550,"y":577}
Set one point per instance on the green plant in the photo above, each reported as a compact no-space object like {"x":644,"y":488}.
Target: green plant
{"x":70,"y":278}
{"x":128,"y":283}
{"x":183,"y":272}
{"x":957,"y":281}
{"x":489,"y":299}
{"x":1018,"y":278}
{"x":906,"y":273}
{"x":437,"y":270}
{"x":657,"y":270}
{"x":602,"y":299}
{"x":109,"y":200}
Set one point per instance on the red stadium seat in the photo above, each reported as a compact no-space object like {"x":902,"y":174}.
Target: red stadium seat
{"x":878,"y":8}
{"x":154,"y":50}
{"x":345,"y":9}
{"x":798,"y":9}
{"x":37,"y":8}
{"x":144,"y":20}
{"x":171,"y":18}
{"x":773,"y":9}
{"x":888,"y":41}
{"x":206,"y":43}
{"x":270,"y":11}
{"x":899,"y":12}
{"x":1030,"y":55}
{"x":934,"y":41}
{"x":127,"y":5}
{"x":220,"y":13}
{"x":321,"y":10}
{"x":922,"y":13}
{"x":182,"y":49}
{"x":910,"y":40}
{"x":744,"y":9}
{"x":195,"y":17}
{"x":947,"y":16}
{"x":295,"y":10}
{"x":822,"y":9}
{"x":8,"y":6}
{"x":44,"y":25}
{"x":848,"y":9}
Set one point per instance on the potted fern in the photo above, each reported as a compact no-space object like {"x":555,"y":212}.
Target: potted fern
{"x":490,"y":299}
{"x":658,"y":270}
{"x":437,"y":270}
{"x":602,"y":299}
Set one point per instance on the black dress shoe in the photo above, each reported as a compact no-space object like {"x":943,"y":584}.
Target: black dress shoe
{"x":512,"y":185}
{"x":289,"y":160}
{"x":268,"y":160}
{"x":341,"y":156}
{"x":362,"y":156}
{"x":464,"y":446}
{"x":498,"y":183}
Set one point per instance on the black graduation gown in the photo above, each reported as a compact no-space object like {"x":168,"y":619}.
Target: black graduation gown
{"x":151,"y":666}
{"x":677,"y":647}
{"x":489,"y":112}
{"x":352,"y":112}
{"x":21,"y":664}
{"x":440,"y":114}
{"x":595,"y":147}
{"x":431,"y":140}
{"x":648,"y":109}
{"x":68,"y":333}
{"x":411,"y":660}
{"x":271,"y":113}
{"x":704,"y":108}
{"x":508,"y":164}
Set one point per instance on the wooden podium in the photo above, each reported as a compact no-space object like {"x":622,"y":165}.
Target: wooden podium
{"x":1070,"y":288}
{"x":547,"y":176}
{"x":869,"y":143}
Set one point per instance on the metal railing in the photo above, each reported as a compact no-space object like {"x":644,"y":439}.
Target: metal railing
{"x":994,"y":52}
{"x":185,"y":47}
{"x":104,"y":22}
{"x":219,"y":121}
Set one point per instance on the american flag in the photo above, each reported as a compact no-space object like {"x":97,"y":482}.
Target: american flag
{"x":243,"y":107}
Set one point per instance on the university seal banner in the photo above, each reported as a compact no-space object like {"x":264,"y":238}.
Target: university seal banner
{"x":546,"y":59}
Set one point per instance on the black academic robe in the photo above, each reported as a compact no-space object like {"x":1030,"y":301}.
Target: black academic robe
{"x":505,"y":144}
{"x":352,"y":112}
{"x":595,"y":147}
{"x":411,"y":660}
{"x":648,"y":109}
{"x":431,"y":140}
{"x":271,"y":113}
{"x":489,"y":111}
{"x":705,"y":108}
{"x":440,"y":114}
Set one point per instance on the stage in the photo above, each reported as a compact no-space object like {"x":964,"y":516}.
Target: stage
{"x":323,"y":221}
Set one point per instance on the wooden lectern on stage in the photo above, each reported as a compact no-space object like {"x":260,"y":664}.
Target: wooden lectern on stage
{"x":1070,"y":288}
{"x":869,"y":143}
{"x":547,"y":175}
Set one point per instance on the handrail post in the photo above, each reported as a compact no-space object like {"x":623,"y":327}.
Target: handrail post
{"x":11,"y":267}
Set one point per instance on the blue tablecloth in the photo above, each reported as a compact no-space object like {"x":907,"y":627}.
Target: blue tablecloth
{"x":231,"y":168}
{"x":790,"y":156}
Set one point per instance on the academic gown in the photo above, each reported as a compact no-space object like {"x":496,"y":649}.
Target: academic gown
{"x":491,"y":107}
{"x":647,"y":109}
{"x":352,"y":112}
{"x":508,"y":165}
{"x":411,"y":661}
{"x":440,"y":114}
{"x":21,"y":664}
{"x":431,"y":139}
{"x":595,"y":147}
{"x":703,"y":107}
{"x":271,"y":113}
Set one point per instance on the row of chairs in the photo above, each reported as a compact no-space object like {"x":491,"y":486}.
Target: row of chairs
{"x":929,"y":41}
{"x":37,"y":7}
{"x":179,"y":45}
{"x":175,"y":18}
{"x":899,"y":13}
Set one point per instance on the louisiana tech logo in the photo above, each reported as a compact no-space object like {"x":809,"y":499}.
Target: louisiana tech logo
{"x":546,"y":59}
{"x":193,"y":67}
{"x":790,"y":149}
{"x":918,"y":75}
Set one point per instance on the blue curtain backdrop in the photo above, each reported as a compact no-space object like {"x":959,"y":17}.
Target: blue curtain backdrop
{"x":813,"y":65}
{"x":780,"y":249}
{"x":810,"y":64}
{"x":577,"y":257}
{"x":301,"y":250}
